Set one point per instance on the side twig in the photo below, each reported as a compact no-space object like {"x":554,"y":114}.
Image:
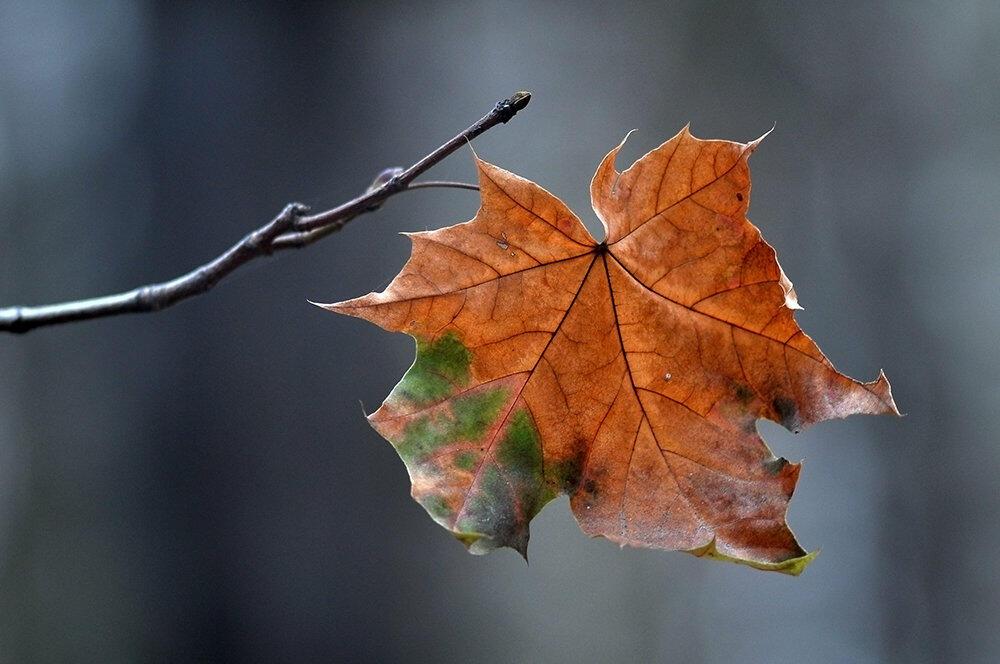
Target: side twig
{"x":291,"y":229}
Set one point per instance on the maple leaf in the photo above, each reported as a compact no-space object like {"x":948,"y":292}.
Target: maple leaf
{"x":628,"y":374}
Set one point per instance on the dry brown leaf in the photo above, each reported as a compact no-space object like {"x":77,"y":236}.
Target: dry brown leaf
{"x":628,"y":374}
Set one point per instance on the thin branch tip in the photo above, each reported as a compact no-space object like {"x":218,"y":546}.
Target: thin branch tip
{"x":509,"y":107}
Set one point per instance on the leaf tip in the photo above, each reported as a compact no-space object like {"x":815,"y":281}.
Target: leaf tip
{"x":333,"y":306}
{"x":883,"y":390}
{"x":793,"y":566}
{"x":479,"y":544}
{"x":473,"y":542}
{"x":413,"y":235}
{"x":752,"y":145}
{"x":609,"y":159}
{"x":487,"y":173}
{"x":346,"y":307}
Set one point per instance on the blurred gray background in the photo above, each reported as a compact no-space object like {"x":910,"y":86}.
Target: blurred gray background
{"x":200,"y":484}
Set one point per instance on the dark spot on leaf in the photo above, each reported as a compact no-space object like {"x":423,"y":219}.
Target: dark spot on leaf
{"x":564,"y":476}
{"x":744,"y":393}
{"x":590,"y":488}
{"x":775,"y":466}
{"x":739,"y":196}
{"x":787,"y":413}
{"x":493,"y":512}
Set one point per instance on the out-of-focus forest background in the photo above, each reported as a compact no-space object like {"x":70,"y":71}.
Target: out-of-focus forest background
{"x":200,"y":484}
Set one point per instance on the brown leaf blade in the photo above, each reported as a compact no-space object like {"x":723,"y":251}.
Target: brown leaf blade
{"x":627,"y":374}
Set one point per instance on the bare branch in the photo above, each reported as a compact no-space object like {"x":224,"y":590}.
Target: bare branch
{"x":291,"y":229}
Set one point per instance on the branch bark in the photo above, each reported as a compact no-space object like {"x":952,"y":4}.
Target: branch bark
{"x":293,"y":228}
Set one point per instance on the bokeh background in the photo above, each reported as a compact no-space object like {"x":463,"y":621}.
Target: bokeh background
{"x":200,"y":484}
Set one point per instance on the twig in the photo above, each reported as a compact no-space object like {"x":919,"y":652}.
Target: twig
{"x":292,"y":228}
{"x":427,"y":184}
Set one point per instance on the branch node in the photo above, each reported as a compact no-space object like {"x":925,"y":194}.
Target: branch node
{"x":291,"y":212}
{"x":387,"y":182}
{"x":384,"y":177}
{"x":296,"y":209}
{"x":145,"y":298}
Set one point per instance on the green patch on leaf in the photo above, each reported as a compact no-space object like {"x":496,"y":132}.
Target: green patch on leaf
{"x":436,"y":506}
{"x":475,"y":413}
{"x":520,"y":447}
{"x":469,"y":417}
{"x":440,"y":368}
{"x":520,"y":455}
{"x":465,"y":461}
{"x":563,"y":476}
